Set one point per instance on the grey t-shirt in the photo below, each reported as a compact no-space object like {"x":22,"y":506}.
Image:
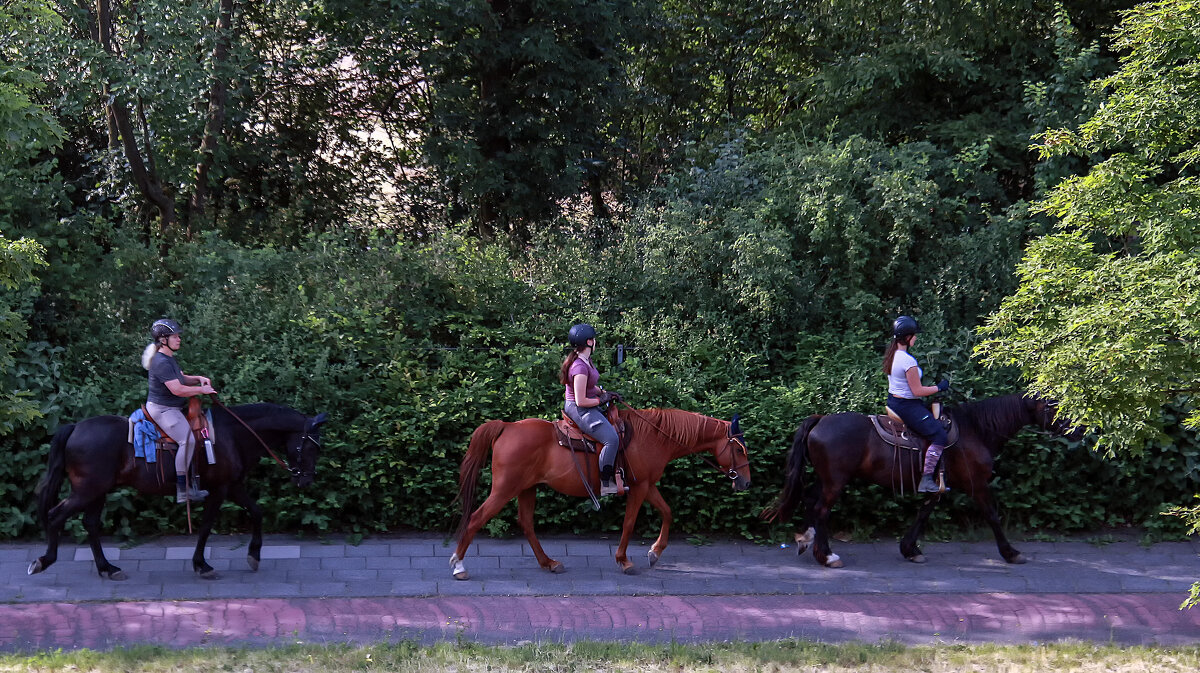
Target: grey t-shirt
{"x":164,"y":368}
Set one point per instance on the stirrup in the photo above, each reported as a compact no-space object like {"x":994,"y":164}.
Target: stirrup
{"x":615,"y":487}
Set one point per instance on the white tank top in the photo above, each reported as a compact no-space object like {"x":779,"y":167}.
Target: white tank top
{"x":898,"y":379}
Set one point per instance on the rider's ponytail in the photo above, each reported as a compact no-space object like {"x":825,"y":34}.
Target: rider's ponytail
{"x":148,"y":354}
{"x":564,"y":371}
{"x":889,"y":354}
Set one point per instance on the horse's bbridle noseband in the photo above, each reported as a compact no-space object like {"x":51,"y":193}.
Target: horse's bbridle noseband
{"x":304,"y":438}
{"x":740,"y":441}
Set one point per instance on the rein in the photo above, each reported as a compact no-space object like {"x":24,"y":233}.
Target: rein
{"x":247,"y":426}
{"x":732,"y":472}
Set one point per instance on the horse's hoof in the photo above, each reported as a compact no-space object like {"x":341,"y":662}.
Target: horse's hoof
{"x":557,"y":567}
{"x":464,"y":575}
{"x":627,"y":567}
{"x":654,"y":556}
{"x":834,"y":561}
{"x":209,"y":574}
{"x":918,"y":558}
{"x":252,"y":562}
{"x":35,"y":567}
{"x":1017,"y":560}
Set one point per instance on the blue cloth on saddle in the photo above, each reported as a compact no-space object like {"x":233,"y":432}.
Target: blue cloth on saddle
{"x":145,"y":437}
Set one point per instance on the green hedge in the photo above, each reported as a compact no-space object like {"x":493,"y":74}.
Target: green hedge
{"x":410,"y":347}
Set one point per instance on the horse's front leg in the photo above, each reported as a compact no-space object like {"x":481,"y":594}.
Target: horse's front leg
{"x":240,"y":496}
{"x":91,"y":523}
{"x":987,"y":504}
{"x":660,"y":545}
{"x":908,"y":544}
{"x":633,"y":503}
{"x":199,"y":564}
{"x":526,"y":500}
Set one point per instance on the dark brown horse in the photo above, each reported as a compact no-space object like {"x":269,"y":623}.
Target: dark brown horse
{"x":845,"y":447}
{"x":526,"y":453}
{"x":95,"y":456}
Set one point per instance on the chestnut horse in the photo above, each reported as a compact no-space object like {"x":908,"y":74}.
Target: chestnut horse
{"x":845,"y":447}
{"x":95,"y":456}
{"x":526,"y":453}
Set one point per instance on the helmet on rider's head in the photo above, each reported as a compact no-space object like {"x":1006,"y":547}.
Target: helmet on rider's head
{"x":164,"y":327}
{"x":905,"y":326}
{"x":579,"y":335}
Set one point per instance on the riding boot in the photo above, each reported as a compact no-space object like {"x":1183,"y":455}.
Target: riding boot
{"x":185,"y":493}
{"x":928,"y":484}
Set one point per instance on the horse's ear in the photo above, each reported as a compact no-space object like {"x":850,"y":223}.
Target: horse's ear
{"x":733,"y":425}
{"x":320,"y":418}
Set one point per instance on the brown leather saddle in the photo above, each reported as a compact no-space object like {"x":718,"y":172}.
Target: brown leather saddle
{"x":575,"y":439}
{"x":893,"y":431}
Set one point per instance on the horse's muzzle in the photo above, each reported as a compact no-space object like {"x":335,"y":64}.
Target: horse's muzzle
{"x":741,"y":483}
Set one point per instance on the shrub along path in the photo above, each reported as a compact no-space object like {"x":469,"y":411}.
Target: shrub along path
{"x":400,"y":588}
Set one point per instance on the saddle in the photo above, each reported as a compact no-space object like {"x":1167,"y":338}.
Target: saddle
{"x":575,"y":439}
{"x":893,"y":431}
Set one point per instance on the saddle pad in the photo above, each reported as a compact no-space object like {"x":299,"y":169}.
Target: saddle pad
{"x":897,"y":434}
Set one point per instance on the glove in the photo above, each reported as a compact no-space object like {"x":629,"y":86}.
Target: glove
{"x":604,"y":397}
{"x":615,"y":397}
{"x":943,"y":386}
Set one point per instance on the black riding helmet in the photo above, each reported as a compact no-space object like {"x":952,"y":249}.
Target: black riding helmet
{"x":905,"y":326}
{"x":579,"y":335}
{"x":164,"y":327}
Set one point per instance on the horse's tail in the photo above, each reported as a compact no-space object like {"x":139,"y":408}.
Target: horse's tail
{"x":56,"y":469}
{"x":793,"y":482}
{"x":472,"y":463}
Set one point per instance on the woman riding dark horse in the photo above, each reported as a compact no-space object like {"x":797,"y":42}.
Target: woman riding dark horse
{"x":96,"y":456}
{"x":846,"y":447}
{"x":905,"y":389}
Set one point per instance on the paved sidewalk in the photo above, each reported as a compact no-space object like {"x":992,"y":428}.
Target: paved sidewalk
{"x":400,"y":588}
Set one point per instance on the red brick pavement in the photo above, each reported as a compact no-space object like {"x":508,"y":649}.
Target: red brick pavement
{"x":1142,"y":618}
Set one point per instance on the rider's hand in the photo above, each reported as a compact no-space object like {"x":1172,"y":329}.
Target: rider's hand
{"x":943,"y":386}
{"x":604,"y":397}
{"x":615,"y":397}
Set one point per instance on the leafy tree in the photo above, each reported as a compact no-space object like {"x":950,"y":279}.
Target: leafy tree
{"x":1107,"y":316}
{"x":27,"y":132}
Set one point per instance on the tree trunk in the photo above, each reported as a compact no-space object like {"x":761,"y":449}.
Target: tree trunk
{"x":215,"y":123}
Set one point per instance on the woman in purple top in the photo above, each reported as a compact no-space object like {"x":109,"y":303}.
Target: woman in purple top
{"x":584,"y":397}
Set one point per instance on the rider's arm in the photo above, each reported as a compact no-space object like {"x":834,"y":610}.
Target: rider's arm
{"x":579,"y":384}
{"x":914,"y":383}
{"x":180,"y":389}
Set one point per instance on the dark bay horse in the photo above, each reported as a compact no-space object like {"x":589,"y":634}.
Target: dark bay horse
{"x":526,"y":453}
{"x":95,"y":456}
{"x":845,"y":447}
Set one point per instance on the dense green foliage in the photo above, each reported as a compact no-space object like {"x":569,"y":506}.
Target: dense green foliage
{"x":394,"y":213}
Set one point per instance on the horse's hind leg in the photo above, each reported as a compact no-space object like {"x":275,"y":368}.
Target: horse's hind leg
{"x":807,"y":523}
{"x":821,"y":549}
{"x":56,"y":518}
{"x":91,"y":523}
{"x":211,"y":507}
{"x":525,"y":505}
{"x":484,"y":513}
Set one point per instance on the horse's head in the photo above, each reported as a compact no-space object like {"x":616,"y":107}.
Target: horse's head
{"x":1046,"y":416}
{"x":735,"y":457}
{"x":303,"y":450}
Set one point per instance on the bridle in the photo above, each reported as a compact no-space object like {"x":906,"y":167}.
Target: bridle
{"x":306,"y":437}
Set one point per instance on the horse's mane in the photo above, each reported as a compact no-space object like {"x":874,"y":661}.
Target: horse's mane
{"x":682,"y":426}
{"x":258,"y":410}
{"x":995,"y":416}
